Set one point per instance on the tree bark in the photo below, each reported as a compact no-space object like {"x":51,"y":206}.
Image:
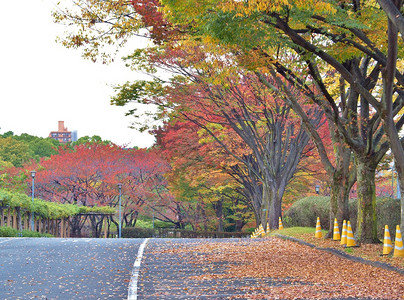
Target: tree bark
{"x":366,"y":228}
{"x":218,"y":207}
{"x":265,"y":206}
{"x":275,"y":210}
{"x":339,"y":199}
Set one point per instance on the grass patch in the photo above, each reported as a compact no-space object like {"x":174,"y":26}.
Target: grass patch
{"x":297,"y":232}
{"x":349,"y":250}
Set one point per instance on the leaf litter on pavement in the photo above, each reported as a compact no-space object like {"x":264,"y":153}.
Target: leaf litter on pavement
{"x":276,"y":269}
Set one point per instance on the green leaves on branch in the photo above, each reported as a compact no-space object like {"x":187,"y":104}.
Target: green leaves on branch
{"x":150,"y":94}
{"x":45,"y":209}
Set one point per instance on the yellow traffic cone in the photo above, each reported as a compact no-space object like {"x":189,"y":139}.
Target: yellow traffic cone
{"x":350,"y":241}
{"x":343,"y":235}
{"x":336,"y":235}
{"x":268,"y":227}
{"x":318,"y":233}
{"x":387,"y":246}
{"x":280,"y":223}
{"x":398,"y":245}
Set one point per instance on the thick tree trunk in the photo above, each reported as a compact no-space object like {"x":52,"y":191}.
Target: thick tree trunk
{"x":265,"y":206}
{"x":339,"y":197}
{"x":366,"y":229}
{"x":218,"y":207}
{"x":275,"y":210}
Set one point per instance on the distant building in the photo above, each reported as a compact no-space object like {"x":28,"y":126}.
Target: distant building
{"x":74,"y":136}
{"x":62,"y":135}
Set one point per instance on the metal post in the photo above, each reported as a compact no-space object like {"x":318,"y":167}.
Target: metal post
{"x":120,"y":212}
{"x":33,"y":193}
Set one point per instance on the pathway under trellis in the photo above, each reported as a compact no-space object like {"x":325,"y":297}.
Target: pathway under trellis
{"x":99,"y":224}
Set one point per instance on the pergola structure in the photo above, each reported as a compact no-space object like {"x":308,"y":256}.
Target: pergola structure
{"x":19,"y":219}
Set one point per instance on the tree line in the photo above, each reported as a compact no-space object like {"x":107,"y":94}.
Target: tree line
{"x":260,"y":88}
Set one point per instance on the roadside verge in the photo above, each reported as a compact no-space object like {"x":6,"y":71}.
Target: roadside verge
{"x":342,"y":254}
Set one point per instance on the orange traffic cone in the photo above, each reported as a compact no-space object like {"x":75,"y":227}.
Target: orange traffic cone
{"x":318,"y":233}
{"x":398,"y":245}
{"x":350,"y":241}
{"x":336,"y":235}
{"x":343,"y":235}
{"x":387,"y":246}
{"x":268,"y":227}
{"x":280,"y":223}
{"x":261,"y":231}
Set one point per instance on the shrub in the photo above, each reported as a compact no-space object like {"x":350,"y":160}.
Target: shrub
{"x":137,"y":232}
{"x":388,"y":213}
{"x":6,"y":231}
{"x":305,"y":211}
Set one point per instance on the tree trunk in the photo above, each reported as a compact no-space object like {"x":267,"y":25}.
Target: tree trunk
{"x":218,"y":207}
{"x":265,"y":204}
{"x":19,"y":223}
{"x":339,"y":198}
{"x":366,"y":229}
{"x":275,"y":210}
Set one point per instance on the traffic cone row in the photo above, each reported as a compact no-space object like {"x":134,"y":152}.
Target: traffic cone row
{"x":256,"y":233}
{"x":347,"y":237}
{"x":260,"y":232}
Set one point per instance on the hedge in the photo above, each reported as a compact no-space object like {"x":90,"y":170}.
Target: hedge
{"x":11,"y":232}
{"x":137,"y":232}
{"x":305,"y":211}
{"x":46,"y":209}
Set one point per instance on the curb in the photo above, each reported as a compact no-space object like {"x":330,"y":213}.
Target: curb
{"x":342,"y":254}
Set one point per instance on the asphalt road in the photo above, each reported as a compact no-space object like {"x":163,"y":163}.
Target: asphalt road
{"x":54,"y":268}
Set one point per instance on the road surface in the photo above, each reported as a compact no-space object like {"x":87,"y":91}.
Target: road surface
{"x":32,"y":268}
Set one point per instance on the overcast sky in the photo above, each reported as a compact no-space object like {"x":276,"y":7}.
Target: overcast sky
{"x":42,"y":83}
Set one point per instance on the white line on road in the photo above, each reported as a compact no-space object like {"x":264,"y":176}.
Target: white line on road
{"x":5,"y":241}
{"x":132,"y":292}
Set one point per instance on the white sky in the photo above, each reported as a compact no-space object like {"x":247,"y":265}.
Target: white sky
{"x":42,"y":83}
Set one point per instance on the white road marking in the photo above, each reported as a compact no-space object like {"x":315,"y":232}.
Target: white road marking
{"x":5,"y":241}
{"x":132,"y":291}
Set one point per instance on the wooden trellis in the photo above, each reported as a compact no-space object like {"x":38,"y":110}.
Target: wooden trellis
{"x":19,"y":219}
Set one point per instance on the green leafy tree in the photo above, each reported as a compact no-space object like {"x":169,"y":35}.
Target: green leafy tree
{"x":14,"y":151}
